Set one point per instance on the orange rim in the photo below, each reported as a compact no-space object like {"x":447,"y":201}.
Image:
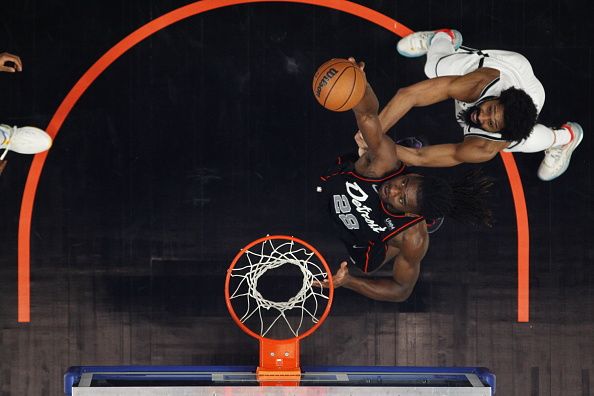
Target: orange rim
{"x":262,"y":240}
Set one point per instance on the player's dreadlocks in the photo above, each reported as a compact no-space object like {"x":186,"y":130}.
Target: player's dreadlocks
{"x":463,"y":200}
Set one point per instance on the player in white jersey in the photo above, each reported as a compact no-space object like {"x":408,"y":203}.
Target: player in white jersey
{"x":497,"y":101}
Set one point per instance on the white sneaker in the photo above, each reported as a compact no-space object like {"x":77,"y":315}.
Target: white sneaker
{"x":417,"y":44}
{"x":556,"y":160}
{"x":23,"y":140}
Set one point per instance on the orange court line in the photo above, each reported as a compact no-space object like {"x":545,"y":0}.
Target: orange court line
{"x":28,"y":199}
{"x":523,"y":236}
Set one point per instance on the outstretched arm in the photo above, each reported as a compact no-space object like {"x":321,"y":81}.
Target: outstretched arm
{"x":471,"y":150}
{"x":466,"y":88}
{"x":413,"y":247}
{"x":368,"y":119}
{"x":381,"y":156}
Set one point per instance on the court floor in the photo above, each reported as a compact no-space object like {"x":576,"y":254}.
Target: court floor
{"x":205,"y":135}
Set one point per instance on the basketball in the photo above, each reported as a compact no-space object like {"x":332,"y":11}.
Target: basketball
{"x":339,"y":85}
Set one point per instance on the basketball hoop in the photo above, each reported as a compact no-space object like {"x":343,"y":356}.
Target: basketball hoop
{"x":279,"y":325}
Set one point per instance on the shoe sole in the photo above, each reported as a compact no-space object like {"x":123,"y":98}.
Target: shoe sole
{"x":410,"y":55}
{"x":41,"y":134}
{"x":574,"y":127}
{"x":418,"y":55}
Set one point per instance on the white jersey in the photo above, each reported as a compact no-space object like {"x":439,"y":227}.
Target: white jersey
{"x":515,"y":71}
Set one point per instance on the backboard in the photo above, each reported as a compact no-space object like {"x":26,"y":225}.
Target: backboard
{"x":242,"y":380}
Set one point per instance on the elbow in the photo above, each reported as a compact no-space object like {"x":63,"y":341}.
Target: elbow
{"x":490,"y":154}
{"x":417,"y":158}
{"x":411,"y":156}
{"x":483,"y":156}
{"x":477,"y":150}
{"x":403,"y":92}
{"x":400,"y":295}
{"x":366,"y":118}
{"x":408,"y":96}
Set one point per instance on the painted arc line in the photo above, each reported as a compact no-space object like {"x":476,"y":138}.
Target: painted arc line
{"x":28,"y":199}
{"x":523,"y":236}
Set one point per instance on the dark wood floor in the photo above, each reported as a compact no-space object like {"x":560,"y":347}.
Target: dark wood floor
{"x":205,"y":136}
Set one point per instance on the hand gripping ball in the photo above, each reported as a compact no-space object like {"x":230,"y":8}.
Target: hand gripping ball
{"x":339,"y":85}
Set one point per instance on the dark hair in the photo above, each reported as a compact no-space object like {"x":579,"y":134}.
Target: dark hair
{"x":463,"y":200}
{"x":519,"y":114}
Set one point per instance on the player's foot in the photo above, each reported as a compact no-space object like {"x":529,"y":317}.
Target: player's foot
{"x":556,"y":160}
{"x":417,"y":44}
{"x":23,"y":140}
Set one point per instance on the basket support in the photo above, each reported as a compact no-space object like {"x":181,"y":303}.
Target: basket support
{"x":279,"y":362}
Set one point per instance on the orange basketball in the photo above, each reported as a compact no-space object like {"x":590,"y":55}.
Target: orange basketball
{"x":339,"y":85}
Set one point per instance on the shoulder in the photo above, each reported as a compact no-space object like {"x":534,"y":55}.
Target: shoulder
{"x":414,"y":237}
{"x":469,"y":87}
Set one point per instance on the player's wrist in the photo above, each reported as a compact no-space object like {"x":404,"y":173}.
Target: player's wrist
{"x":348,"y":281}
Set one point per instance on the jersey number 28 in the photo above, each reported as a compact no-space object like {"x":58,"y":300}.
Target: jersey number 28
{"x":343,"y":210}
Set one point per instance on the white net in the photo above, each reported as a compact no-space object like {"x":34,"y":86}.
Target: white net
{"x":292,"y":314}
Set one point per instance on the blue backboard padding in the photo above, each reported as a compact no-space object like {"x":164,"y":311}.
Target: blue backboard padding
{"x":73,"y":374}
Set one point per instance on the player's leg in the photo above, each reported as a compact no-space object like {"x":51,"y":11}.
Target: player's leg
{"x":418,"y":43}
{"x":558,"y":145}
{"x":444,"y":58}
{"x":438,"y":45}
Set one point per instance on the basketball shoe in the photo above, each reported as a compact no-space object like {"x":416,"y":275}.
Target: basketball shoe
{"x":417,"y":44}
{"x":23,"y":140}
{"x":556,"y":160}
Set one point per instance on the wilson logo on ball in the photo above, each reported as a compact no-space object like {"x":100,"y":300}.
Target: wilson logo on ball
{"x":331,"y":73}
{"x":339,"y":84}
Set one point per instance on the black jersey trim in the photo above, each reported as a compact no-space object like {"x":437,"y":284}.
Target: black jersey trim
{"x":513,"y":144}
{"x":447,"y":56}
{"x":474,"y":134}
{"x":356,"y":175}
{"x":370,"y":244}
{"x":470,"y":49}
{"x":395,"y":173}
{"x":325,"y":178}
{"x":488,"y":86}
{"x":404,"y":227}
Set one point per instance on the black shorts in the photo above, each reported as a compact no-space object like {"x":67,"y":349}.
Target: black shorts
{"x":368,"y":260}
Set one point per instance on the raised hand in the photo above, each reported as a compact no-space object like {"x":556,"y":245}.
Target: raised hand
{"x":339,"y":279}
{"x":10,"y":63}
